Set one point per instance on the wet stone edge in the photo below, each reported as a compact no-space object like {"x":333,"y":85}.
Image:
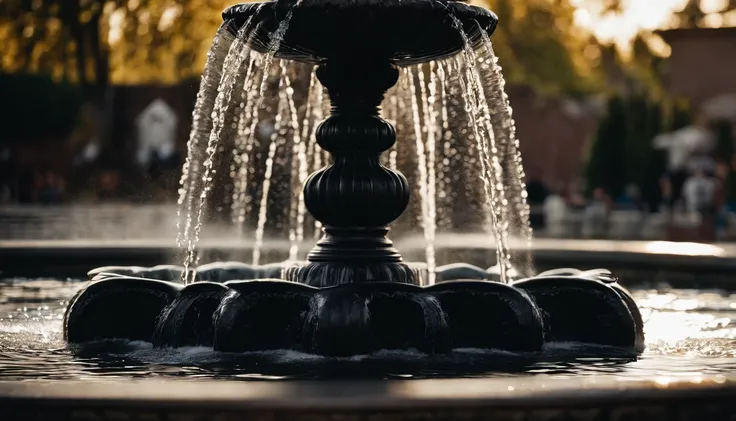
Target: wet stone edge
{"x":715,"y":410}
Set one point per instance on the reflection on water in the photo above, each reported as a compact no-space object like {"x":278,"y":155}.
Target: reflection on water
{"x":689,"y":333}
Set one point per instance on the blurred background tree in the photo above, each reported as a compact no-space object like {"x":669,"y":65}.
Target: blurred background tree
{"x":622,"y":152}
{"x":606,"y":166}
{"x":52,"y":111}
{"x":539,"y":45}
{"x":697,"y":13}
{"x":97,"y":42}
{"x":91,"y":44}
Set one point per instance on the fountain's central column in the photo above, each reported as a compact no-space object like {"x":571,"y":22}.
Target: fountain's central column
{"x":356,"y":197}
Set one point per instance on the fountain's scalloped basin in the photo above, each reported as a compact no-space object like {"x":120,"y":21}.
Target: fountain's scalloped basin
{"x":352,"y":319}
{"x":401,"y":31}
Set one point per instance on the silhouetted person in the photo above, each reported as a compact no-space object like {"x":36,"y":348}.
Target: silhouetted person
{"x":665,"y":191}
{"x":51,"y":189}
{"x":699,"y":192}
{"x":536,"y":190}
{"x":27,"y":187}
{"x":555,"y":212}
{"x":631,"y":199}
{"x":595,"y":222}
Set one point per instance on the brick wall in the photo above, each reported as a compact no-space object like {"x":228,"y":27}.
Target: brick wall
{"x":553,"y":134}
{"x":702,"y":64}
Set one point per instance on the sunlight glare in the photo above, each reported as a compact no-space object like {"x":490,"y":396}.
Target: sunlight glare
{"x":683,"y":249}
{"x":168,"y":17}
{"x":621,"y":28}
{"x":713,"y":6}
{"x":117,"y":20}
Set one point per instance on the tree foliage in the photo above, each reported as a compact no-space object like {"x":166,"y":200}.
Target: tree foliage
{"x":95,"y":42}
{"x":538,"y":44}
{"x":35,"y":107}
{"x":605,"y":167}
{"x":60,"y":37}
{"x":622,"y":152}
{"x":692,"y":15}
{"x":724,"y":130}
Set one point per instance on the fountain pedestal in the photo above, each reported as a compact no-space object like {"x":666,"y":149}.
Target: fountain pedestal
{"x":355,"y":295}
{"x":355,"y":198}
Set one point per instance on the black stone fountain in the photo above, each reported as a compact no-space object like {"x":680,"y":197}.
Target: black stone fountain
{"x":355,"y":294}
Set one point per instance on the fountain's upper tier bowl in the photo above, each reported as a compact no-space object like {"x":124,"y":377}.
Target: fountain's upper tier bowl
{"x":404,"y":32}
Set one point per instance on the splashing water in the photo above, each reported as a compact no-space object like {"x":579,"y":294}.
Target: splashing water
{"x":428,"y":222}
{"x":277,"y":138}
{"x":201,"y":126}
{"x":244,"y":143}
{"x":454,"y":126}
{"x":300,"y":166}
{"x":505,"y":132}
{"x":236,"y":55}
{"x":429,"y":103}
{"x":230,"y":76}
{"x":477,"y":109}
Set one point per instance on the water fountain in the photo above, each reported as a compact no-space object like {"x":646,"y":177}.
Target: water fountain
{"x":354,"y":294}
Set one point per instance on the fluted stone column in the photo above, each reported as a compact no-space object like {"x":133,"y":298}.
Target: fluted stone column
{"x":355,"y":198}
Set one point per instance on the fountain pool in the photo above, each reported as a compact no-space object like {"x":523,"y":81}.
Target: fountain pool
{"x":509,"y":341}
{"x":685,"y":373}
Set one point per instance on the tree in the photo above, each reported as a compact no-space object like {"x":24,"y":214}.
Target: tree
{"x":606,"y":164}
{"x":34,"y":107}
{"x":538,"y":44}
{"x":622,"y":152}
{"x":646,"y":67}
{"x":691,"y":15}
{"x":177,"y":36}
{"x":94,"y":42}
{"x":723,"y":130}
{"x":51,"y":31}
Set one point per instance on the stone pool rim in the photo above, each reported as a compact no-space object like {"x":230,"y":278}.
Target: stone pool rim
{"x":74,"y":258}
{"x":528,"y":392}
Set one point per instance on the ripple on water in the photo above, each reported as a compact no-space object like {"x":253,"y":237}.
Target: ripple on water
{"x":689,"y":333}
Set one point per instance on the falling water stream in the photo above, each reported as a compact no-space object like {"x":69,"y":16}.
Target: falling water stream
{"x":504,"y":129}
{"x":303,"y":148}
{"x":420,"y":131}
{"x":201,"y":126}
{"x":454,"y":125}
{"x":236,"y":55}
{"x":242,"y":149}
{"x":483,"y":133}
{"x":280,"y":130}
{"x":429,"y":104}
